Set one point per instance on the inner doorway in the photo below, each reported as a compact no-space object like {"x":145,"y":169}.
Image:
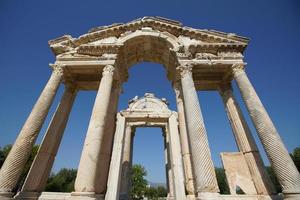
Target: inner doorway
{"x":147,"y":111}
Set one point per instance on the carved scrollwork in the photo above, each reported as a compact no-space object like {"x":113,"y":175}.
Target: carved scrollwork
{"x":238,"y":68}
{"x":58,"y":69}
{"x":185,"y":70}
{"x":108,"y":70}
{"x":207,"y":56}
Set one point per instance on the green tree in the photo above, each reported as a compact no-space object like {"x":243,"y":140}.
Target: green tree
{"x":221,"y":178}
{"x":63,"y":181}
{"x":162,"y":191}
{"x":296,"y":157}
{"x":139,"y":183}
{"x":4,"y":153}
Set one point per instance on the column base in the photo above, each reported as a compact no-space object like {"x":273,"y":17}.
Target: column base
{"x":207,"y":196}
{"x":291,"y":196}
{"x":86,"y":196}
{"x":6,"y":195}
{"x":27,"y":195}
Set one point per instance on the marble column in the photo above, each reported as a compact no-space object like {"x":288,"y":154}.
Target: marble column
{"x":169,"y":168}
{"x":204,"y":171}
{"x":106,"y":146}
{"x":41,"y":167}
{"x":126,"y":164}
{"x":114,"y":176}
{"x":281,"y":162}
{"x":20,"y":152}
{"x":176,"y":158}
{"x":86,"y":180}
{"x":246,"y":142}
{"x":189,"y":177}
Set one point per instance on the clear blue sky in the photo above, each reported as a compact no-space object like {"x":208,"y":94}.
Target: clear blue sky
{"x":272,"y":57}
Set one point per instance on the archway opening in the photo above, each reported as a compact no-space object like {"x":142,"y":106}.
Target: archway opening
{"x":148,"y":151}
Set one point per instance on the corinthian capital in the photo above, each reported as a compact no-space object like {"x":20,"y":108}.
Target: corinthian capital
{"x":108,"y":70}
{"x":57,"y":69}
{"x":237,"y":68}
{"x":185,"y":70}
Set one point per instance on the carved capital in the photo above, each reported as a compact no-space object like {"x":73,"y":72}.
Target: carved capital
{"x":185,"y":70}
{"x":238,"y":68}
{"x":108,"y":70}
{"x":58,"y":69}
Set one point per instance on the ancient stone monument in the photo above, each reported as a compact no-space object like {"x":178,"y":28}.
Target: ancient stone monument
{"x":195,"y":60}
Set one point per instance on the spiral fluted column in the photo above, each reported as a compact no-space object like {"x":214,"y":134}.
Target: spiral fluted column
{"x":86,"y":180}
{"x":246,"y":142}
{"x":206,"y":181}
{"x":18,"y":155}
{"x":41,"y":167}
{"x":281,"y":162}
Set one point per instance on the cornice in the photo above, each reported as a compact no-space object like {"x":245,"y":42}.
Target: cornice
{"x":208,"y":37}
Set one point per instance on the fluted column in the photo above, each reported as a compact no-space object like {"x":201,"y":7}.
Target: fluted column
{"x":39,"y":172}
{"x":86,"y":180}
{"x":106,"y":147}
{"x":18,"y":155}
{"x":126,"y":164}
{"x":206,"y":181}
{"x":185,"y":147}
{"x":246,"y":142}
{"x":281,"y":162}
{"x":176,"y":158}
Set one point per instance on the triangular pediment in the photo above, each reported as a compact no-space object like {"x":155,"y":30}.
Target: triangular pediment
{"x":107,"y":36}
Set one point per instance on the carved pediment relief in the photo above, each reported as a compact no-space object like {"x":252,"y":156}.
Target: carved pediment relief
{"x":148,"y":103}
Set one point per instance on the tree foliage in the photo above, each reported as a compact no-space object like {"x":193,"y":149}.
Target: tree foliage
{"x":139,"y":183}
{"x":63,"y":181}
{"x":222,"y":183}
{"x":296,"y":157}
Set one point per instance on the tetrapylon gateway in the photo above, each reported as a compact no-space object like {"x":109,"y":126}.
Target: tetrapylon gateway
{"x":194,"y":59}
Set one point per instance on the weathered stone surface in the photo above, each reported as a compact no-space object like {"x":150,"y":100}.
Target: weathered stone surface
{"x":237,"y":173}
{"x":199,"y":60}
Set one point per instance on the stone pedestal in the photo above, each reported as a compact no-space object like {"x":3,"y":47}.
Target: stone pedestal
{"x":18,"y":155}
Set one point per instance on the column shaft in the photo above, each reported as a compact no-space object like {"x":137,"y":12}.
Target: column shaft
{"x":114,"y":177}
{"x":126,"y":164}
{"x":106,"y":147}
{"x":169,"y":167}
{"x":176,"y":159}
{"x":246,"y":142}
{"x":204,"y":171}
{"x":86,"y":180}
{"x":41,"y":167}
{"x":189,"y":177}
{"x":18,"y":155}
{"x":282,"y":164}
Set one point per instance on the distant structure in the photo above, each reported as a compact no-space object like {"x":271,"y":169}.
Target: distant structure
{"x":194,"y":60}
